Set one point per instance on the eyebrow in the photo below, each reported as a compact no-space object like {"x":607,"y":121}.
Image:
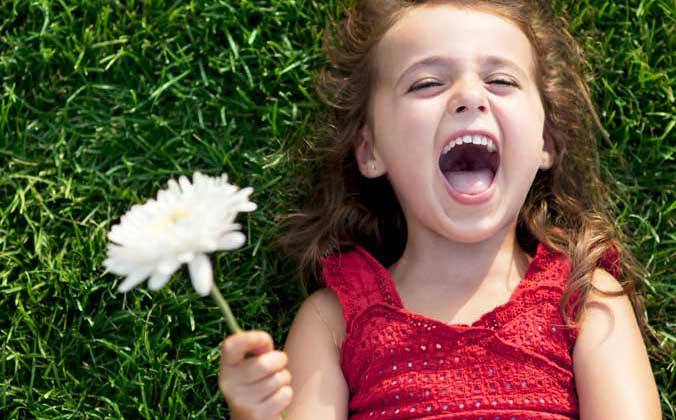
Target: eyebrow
{"x":438,"y":60}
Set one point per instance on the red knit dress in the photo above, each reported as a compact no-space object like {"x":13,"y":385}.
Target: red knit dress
{"x":515,"y":362}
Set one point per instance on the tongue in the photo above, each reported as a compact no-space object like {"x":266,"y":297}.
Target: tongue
{"x":470,"y":182}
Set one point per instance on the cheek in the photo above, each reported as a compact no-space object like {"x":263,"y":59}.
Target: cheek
{"x":522,"y":132}
{"x":405,"y":133}
{"x":522,"y":125}
{"x":413,"y":115}
{"x":406,"y":127}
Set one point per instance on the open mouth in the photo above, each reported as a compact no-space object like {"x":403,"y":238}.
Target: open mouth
{"x":470,"y":165}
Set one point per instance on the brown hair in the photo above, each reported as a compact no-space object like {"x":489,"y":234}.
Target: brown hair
{"x":566,"y":207}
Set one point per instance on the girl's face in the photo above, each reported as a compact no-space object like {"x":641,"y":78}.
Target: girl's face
{"x":442,"y":73}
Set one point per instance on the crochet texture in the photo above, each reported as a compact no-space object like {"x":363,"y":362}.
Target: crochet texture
{"x":515,"y":362}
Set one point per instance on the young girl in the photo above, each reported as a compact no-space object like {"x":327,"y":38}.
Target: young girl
{"x":461,"y":230}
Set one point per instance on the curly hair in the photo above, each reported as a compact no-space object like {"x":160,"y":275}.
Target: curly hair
{"x":567,"y":207}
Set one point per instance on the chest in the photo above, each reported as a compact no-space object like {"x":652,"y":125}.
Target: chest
{"x":459,"y":308}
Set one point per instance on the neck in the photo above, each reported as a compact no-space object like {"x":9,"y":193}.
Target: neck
{"x":434,"y":261}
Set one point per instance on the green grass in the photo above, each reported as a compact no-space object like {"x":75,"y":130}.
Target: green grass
{"x":102,"y":101}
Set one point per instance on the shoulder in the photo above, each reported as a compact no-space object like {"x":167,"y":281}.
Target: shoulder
{"x":603,"y":280}
{"x":599,"y":308}
{"x":600,"y":312}
{"x":610,"y":357}
{"x":322,"y":311}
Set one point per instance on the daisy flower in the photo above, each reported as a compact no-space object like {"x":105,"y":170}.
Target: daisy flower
{"x":186,"y":222}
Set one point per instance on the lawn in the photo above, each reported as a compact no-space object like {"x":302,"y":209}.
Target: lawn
{"x":102,"y":101}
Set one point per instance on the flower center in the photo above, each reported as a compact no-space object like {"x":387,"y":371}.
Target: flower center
{"x":177,"y":215}
{"x":171,"y":219}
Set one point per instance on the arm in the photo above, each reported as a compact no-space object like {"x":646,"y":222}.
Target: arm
{"x":610,"y":362}
{"x":319,"y":387}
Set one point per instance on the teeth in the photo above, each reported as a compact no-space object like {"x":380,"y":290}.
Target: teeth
{"x":477,"y":139}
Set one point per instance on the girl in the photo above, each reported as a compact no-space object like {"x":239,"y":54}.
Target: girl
{"x":461,"y":230}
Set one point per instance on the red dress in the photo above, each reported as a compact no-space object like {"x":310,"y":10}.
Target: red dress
{"x":515,"y":362}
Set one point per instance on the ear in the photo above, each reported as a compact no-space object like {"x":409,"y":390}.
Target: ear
{"x":366,"y":153}
{"x":547,"y":154}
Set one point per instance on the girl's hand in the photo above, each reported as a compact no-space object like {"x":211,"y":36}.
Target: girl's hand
{"x":253,"y":376}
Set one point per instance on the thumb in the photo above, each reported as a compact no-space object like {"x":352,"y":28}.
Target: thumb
{"x":245,"y":344}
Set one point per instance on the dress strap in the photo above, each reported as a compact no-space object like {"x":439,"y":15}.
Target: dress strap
{"x":558,"y":274}
{"x":553,"y":268}
{"x":357,"y":278}
{"x":610,"y":261}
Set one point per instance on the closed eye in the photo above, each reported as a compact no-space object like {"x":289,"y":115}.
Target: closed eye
{"x":423,"y":85}
{"x":503,"y":82}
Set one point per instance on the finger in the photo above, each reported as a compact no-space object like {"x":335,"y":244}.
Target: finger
{"x":266,"y":387}
{"x":278,"y":401}
{"x":237,"y":345}
{"x":226,"y":380}
{"x":264,"y":343}
{"x":249,"y":374}
{"x":259,"y":367}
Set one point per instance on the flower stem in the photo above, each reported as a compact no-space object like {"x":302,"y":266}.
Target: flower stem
{"x":230,"y":319}
{"x":223,"y":305}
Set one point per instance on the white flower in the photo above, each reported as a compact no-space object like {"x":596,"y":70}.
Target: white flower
{"x":186,"y":222}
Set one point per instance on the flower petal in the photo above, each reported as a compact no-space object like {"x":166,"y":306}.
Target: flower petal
{"x":231,"y":240}
{"x":201,"y":274}
{"x":132,"y":280}
{"x":185,"y":184}
{"x":158,"y":280}
{"x":167,"y":266}
{"x":185,"y":257}
{"x":173,"y":187}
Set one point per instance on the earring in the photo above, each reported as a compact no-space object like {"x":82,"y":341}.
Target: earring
{"x":373,"y":166}
{"x":546,"y":162}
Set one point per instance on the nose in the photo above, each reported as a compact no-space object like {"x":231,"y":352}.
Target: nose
{"x":468,"y":97}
